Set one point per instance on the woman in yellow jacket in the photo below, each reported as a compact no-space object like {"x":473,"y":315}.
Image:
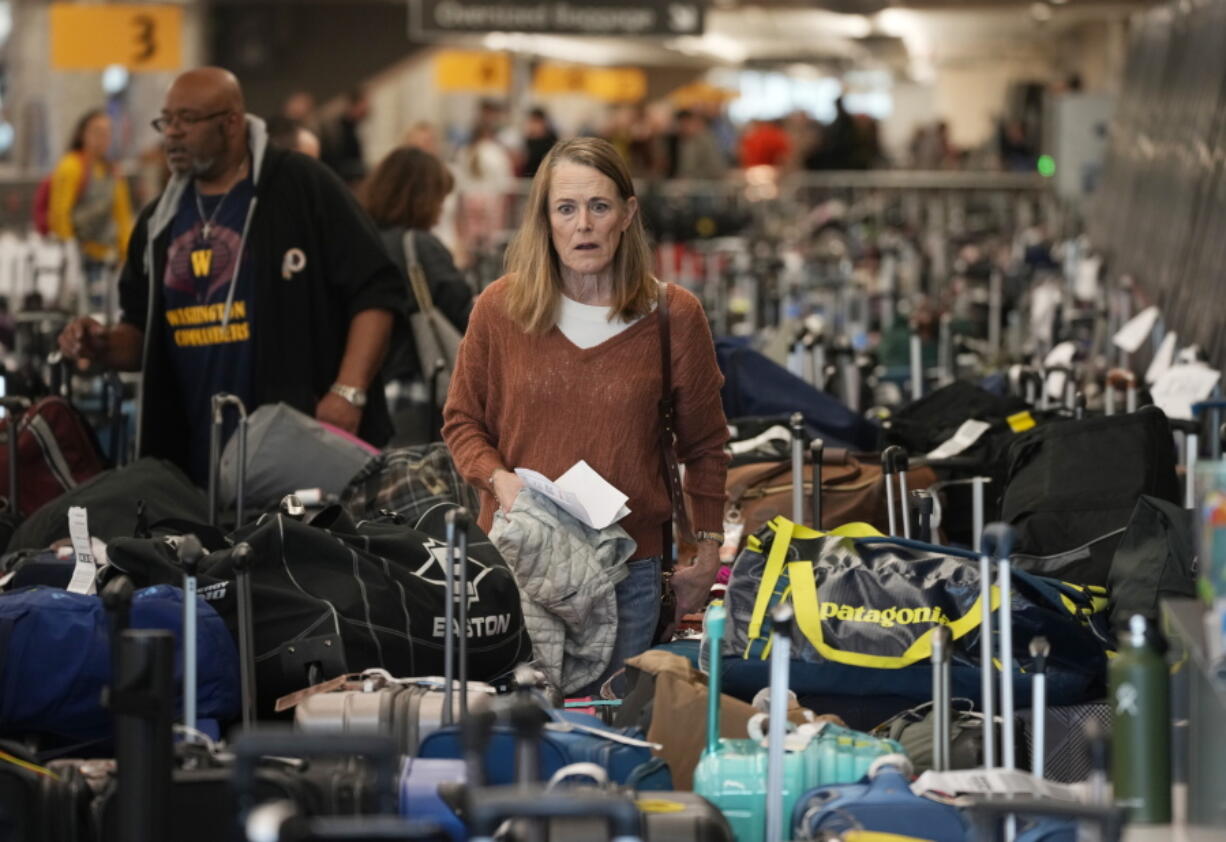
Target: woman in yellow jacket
{"x":89,"y":200}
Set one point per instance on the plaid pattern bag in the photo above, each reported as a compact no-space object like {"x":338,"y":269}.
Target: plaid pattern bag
{"x":407,"y":481}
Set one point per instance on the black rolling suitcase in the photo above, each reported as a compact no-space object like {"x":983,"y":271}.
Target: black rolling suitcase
{"x":41,"y":804}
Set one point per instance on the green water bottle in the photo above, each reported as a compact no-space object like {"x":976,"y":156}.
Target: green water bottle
{"x":1141,"y":727}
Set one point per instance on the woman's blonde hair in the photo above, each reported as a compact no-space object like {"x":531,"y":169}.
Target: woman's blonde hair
{"x":533,"y":270}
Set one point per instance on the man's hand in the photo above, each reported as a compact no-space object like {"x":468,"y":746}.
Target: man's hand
{"x":335,"y":410}
{"x":507,"y":486}
{"x":86,"y":341}
{"x":692,"y":585}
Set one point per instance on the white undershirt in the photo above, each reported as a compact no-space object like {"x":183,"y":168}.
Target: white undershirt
{"x":587,"y":325}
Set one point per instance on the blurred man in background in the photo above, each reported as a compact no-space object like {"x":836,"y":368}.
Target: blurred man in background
{"x":254,"y":273}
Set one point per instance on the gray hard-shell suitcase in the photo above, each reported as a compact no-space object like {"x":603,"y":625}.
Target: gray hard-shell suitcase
{"x":405,"y":709}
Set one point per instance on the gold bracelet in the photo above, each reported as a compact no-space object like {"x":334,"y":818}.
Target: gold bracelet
{"x":714,"y":537}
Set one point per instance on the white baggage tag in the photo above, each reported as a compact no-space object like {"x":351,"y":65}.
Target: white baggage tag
{"x":969,"y":433}
{"x":1182,"y":386}
{"x":85,"y":573}
{"x":1085,"y":283}
{"x":1061,"y":355}
{"x":1164,"y":358}
{"x":1136,"y":330}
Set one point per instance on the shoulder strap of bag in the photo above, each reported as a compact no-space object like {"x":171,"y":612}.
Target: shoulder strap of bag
{"x":668,"y":434}
{"x":417,"y":276}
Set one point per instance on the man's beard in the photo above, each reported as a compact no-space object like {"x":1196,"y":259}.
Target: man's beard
{"x":198,"y":166}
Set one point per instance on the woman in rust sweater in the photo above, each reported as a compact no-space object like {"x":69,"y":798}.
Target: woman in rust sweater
{"x":562,"y":362}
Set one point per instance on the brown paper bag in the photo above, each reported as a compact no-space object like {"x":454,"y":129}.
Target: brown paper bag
{"x":679,"y":713}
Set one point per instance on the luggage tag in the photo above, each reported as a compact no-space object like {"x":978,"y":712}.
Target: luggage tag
{"x":795,"y":741}
{"x":377,"y":678}
{"x":969,"y":433}
{"x":733,"y":530}
{"x":564,"y":726}
{"x":349,"y":681}
{"x":85,"y":573}
{"x":1021,"y":422}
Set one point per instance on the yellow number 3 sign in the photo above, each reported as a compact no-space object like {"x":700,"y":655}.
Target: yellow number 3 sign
{"x":137,"y":36}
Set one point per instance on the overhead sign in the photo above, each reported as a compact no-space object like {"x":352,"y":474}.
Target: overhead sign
{"x":137,"y":36}
{"x":472,"y":71}
{"x":565,"y":17}
{"x":610,"y":84}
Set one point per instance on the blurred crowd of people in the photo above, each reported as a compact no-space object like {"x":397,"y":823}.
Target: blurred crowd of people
{"x":485,"y":159}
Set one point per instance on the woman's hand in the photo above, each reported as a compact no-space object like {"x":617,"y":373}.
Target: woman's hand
{"x":692,"y":585}
{"x":506,"y":488}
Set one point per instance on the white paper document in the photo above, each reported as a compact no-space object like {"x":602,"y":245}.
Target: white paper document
{"x":582,"y":493}
{"x":1181,"y":386}
{"x":1136,"y":330}
{"x":967,"y":434}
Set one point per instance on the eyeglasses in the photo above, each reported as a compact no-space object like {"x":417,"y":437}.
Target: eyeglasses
{"x":164,"y":122}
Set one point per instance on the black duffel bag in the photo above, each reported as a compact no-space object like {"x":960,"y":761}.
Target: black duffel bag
{"x":121,"y":503}
{"x":1072,"y":488}
{"x":333,"y":596}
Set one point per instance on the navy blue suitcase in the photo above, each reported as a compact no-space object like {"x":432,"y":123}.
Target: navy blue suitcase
{"x":569,"y":738}
{"x":881,"y":802}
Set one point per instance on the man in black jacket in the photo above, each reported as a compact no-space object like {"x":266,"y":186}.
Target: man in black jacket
{"x":255,"y":273}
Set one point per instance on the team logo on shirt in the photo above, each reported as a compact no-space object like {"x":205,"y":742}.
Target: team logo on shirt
{"x":293,"y":263}
{"x":202,"y":263}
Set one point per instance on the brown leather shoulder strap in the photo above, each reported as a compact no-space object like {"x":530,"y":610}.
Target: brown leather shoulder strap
{"x":668,"y":433}
{"x":666,"y":348}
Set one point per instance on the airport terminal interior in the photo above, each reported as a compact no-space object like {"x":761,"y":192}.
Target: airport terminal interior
{"x":662,"y":420}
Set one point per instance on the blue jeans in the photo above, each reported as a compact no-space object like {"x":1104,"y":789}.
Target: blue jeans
{"x":638,"y":610}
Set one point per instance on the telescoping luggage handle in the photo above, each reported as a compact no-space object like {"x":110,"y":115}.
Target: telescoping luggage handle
{"x":1040,"y":649}
{"x":1120,"y":379}
{"x":243,"y":560}
{"x":13,"y":406}
{"x":141,"y":697}
{"x":924,"y":507}
{"x":997,"y":544}
{"x":457,"y":549}
{"x":190,"y":555}
{"x":218,"y":405}
{"x":797,"y":425}
{"x":894,"y":462}
{"x":941,"y":715}
{"x":781,"y":656}
{"x":801,"y":448}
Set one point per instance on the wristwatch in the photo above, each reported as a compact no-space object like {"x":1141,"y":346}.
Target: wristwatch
{"x":715,"y":537}
{"x":353,"y":394}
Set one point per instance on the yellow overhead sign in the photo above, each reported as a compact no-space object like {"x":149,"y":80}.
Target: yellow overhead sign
{"x":617,"y":84}
{"x":142,"y":36}
{"x":551,"y":78}
{"x":472,"y":71}
{"x":611,"y":84}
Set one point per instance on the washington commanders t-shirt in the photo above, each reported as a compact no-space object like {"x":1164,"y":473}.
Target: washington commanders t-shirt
{"x":208,"y":357}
